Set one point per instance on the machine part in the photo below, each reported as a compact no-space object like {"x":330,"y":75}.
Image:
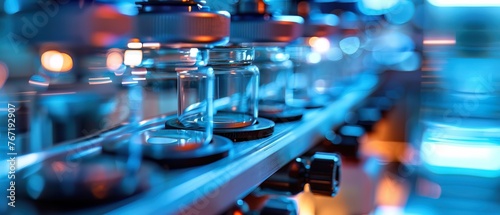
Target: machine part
{"x":261,"y":129}
{"x":172,"y":148}
{"x":321,"y":172}
{"x":177,"y":24}
{"x":344,"y":140}
{"x":289,"y":114}
{"x":240,"y":207}
{"x":366,"y":117}
{"x":80,"y":182}
{"x":253,"y":24}
{"x":279,"y":206}
{"x":100,"y":24}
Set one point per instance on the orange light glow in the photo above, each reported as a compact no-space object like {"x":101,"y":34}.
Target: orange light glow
{"x":106,"y":12}
{"x":392,"y":192}
{"x":432,"y":42}
{"x":102,"y":25}
{"x":305,"y":202}
{"x":4,"y":74}
{"x":99,"y":190}
{"x":55,"y":61}
{"x":102,"y":38}
{"x":114,"y":60}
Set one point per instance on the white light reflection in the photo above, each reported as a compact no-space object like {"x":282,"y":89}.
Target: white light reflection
{"x":376,"y":7}
{"x":39,"y":80}
{"x":99,"y":80}
{"x":193,"y":52}
{"x":134,"y":45}
{"x":319,"y":44}
{"x":139,"y":71}
{"x":446,"y":154}
{"x":314,"y":58}
{"x":320,"y":86}
{"x":389,"y":210}
{"x":133,"y":57}
{"x":28,"y":160}
{"x":437,"y":42}
{"x":151,"y":45}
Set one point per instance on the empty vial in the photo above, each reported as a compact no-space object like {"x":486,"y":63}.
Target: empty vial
{"x":275,"y":68}
{"x":236,"y":87}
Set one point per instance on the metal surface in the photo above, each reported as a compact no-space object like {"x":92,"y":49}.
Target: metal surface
{"x":212,"y":188}
{"x":183,"y":29}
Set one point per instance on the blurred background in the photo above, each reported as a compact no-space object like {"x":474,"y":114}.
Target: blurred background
{"x":431,"y":124}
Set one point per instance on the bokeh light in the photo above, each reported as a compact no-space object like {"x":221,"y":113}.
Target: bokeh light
{"x":319,"y":44}
{"x":133,"y":57}
{"x":114,"y":60}
{"x":402,"y":13}
{"x":350,"y":45}
{"x":55,"y":61}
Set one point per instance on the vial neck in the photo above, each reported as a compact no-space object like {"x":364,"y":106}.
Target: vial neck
{"x":231,"y":56}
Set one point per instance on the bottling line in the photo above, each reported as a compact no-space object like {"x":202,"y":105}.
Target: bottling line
{"x":248,"y":107}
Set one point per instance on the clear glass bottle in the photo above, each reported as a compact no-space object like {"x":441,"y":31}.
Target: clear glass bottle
{"x":236,"y":87}
{"x":184,"y":69}
{"x":275,"y":68}
{"x":308,"y":81}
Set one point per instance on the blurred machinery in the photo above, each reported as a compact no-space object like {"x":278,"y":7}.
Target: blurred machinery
{"x":249,"y":107}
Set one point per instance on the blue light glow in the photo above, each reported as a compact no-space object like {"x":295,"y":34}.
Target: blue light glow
{"x":402,"y":13}
{"x":465,"y":3}
{"x":411,"y":63}
{"x":449,"y":153}
{"x":36,"y":183}
{"x":376,"y":7}
{"x":349,"y":45}
{"x":392,"y":48}
{"x":350,"y":130}
{"x":314,"y":58}
{"x":127,"y":8}
{"x":11,"y":6}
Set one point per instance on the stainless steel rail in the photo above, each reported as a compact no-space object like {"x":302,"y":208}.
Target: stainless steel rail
{"x":211,"y":188}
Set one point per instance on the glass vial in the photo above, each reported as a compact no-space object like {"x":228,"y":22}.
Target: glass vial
{"x":308,"y":81}
{"x":275,"y":68}
{"x":184,"y":69}
{"x":236,"y":87}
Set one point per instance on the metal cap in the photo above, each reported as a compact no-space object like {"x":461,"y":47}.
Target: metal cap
{"x":273,"y":29}
{"x":73,"y":24}
{"x":175,"y":24}
{"x":324,"y":173}
{"x":252,"y":23}
{"x":316,"y":24}
{"x":320,"y":25}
